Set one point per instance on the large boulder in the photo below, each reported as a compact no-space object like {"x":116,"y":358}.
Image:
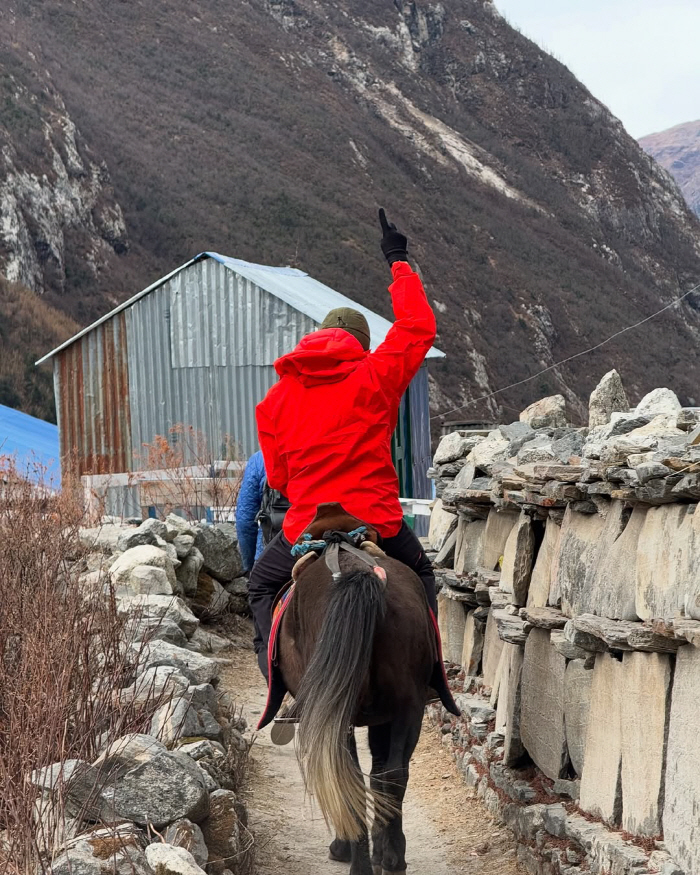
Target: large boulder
{"x":166,"y":788}
{"x":608,"y":397}
{"x":122,"y":568}
{"x":546,"y":413}
{"x":101,"y":539}
{"x":219,"y":548}
{"x":129,"y":751}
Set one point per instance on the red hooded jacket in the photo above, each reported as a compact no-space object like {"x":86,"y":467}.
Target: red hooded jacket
{"x":325,"y":427}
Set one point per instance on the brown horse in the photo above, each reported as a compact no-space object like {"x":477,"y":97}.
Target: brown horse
{"x":358,"y":650}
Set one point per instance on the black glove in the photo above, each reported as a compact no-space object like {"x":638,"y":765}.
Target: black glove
{"x":394,"y":243}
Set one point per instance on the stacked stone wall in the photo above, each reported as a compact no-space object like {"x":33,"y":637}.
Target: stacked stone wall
{"x":569,"y":564}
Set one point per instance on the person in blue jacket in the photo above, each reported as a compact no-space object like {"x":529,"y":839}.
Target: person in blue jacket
{"x":250,"y":497}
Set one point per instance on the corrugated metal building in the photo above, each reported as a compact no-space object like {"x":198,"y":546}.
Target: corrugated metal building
{"x":197,"y":349}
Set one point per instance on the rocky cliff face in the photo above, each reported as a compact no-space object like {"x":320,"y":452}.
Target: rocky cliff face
{"x":272,"y":130}
{"x":678,"y":150}
{"x":57,"y":204}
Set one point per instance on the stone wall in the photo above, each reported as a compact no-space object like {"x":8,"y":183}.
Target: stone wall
{"x":163,"y":800}
{"x":569,"y":560}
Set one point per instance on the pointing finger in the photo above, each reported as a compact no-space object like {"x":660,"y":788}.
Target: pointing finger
{"x":383,"y":221}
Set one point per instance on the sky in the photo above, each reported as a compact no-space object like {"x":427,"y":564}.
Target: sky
{"x":639,"y":57}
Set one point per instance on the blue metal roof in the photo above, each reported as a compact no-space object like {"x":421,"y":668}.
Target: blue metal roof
{"x":294,"y":287}
{"x":32,"y":444}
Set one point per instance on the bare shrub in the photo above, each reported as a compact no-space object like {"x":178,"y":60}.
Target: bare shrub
{"x":65,"y":653}
{"x":193,"y":477}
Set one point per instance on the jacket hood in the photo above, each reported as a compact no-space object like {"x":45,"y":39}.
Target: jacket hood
{"x":326,"y":356}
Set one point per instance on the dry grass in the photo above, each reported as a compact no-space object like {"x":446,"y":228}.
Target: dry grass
{"x":63,"y":653}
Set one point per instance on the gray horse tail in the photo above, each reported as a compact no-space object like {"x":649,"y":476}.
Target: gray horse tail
{"x":328,"y":698}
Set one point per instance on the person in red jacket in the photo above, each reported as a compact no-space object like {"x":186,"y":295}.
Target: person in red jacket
{"x":325,"y":430}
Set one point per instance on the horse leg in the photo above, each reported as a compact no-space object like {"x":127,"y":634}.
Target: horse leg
{"x":379,"y":742}
{"x":339,"y":851}
{"x":359,"y":850}
{"x":405,"y":733}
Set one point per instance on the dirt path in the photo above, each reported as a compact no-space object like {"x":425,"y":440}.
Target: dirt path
{"x":447,"y":829}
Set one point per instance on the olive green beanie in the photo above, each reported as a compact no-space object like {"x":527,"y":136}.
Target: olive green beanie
{"x":351,"y":321}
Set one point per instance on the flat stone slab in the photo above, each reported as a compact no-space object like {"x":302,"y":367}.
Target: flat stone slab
{"x":493,"y":645}
{"x":452,"y":620}
{"x":511,"y":627}
{"x":518,"y":560}
{"x":682,"y":786}
{"x":544,"y":618}
{"x":667,"y":562}
{"x":470,"y":540}
{"x":473,"y":647}
{"x":647,"y":691}
{"x":442,"y":524}
{"x":511,"y":698}
{"x":601,"y":786}
{"x":577,"y":703}
{"x":541,"y":580}
{"x":499,"y":525}
{"x":542,"y":705}
{"x":625,"y":635}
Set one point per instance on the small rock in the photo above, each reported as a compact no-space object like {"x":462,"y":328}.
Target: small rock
{"x":659,"y":401}
{"x":188,"y":572}
{"x":199,"y":669}
{"x":207,"y":642}
{"x":154,"y":683}
{"x":180,"y":718}
{"x":176,"y":525}
{"x":455,"y":446}
{"x":607,"y":398}
{"x":688,"y":419}
{"x":547,"y":412}
{"x":221,"y":829}
{"x":220,"y":551}
{"x":121,"y":569}
{"x":211,"y":599}
{"x":185,"y":834}
{"x":183,"y":544}
{"x":171,"y":860}
{"x":155,"y":607}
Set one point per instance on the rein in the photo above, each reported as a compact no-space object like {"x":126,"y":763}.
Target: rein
{"x":330,"y":546}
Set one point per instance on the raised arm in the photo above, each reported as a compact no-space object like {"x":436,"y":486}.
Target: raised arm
{"x":397,"y":360}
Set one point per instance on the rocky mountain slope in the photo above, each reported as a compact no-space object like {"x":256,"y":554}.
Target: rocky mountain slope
{"x":272,"y":130}
{"x":678,"y":150}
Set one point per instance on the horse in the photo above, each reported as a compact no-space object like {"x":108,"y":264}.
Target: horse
{"x":358,"y":648}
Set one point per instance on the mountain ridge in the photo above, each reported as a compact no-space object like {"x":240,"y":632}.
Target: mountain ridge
{"x":678,"y":150}
{"x":272,"y":131}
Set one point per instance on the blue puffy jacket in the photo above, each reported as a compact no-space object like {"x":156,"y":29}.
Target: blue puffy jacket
{"x":250,"y":540}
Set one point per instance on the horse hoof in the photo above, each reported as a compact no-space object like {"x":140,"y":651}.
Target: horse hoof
{"x":339,"y":852}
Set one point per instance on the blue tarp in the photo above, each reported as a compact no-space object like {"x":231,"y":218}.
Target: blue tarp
{"x":32,"y":444}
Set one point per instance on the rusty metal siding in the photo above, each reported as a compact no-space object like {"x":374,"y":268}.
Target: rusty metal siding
{"x":201,"y":350}
{"x":91,"y":384}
